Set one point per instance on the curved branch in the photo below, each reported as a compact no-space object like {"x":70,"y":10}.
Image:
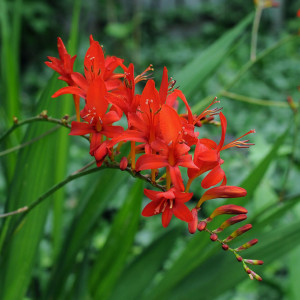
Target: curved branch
{"x":79,"y":173}
{"x":40,"y":118}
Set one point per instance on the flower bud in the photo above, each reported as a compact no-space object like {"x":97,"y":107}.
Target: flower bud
{"x":238,"y":257}
{"x":192,"y":226}
{"x":225,"y":247}
{"x":229,"y":209}
{"x":238,"y":232}
{"x":231,"y":221}
{"x":213,"y":237}
{"x":223,"y":191}
{"x":253,"y":261}
{"x":254,"y":275}
{"x":123,"y":163}
{"x":247,"y":245}
{"x":201,"y":225}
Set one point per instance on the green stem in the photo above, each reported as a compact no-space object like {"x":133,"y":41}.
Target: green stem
{"x":254,"y":33}
{"x":296,"y":121}
{"x":18,"y":147}
{"x":259,"y":57}
{"x":254,"y":101}
{"x":77,"y":174}
{"x":39,"y":118}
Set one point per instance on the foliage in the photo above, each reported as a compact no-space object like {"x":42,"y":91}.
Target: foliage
{"x":70,"y":245}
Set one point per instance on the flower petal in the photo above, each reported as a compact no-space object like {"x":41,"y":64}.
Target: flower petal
{"x":213,"y":177}
{"x":80,"y":128}
{"x":181,"y":212}
{"x":149,"y":209}
{"x":166,"y":217}
{"x":150,"y":161}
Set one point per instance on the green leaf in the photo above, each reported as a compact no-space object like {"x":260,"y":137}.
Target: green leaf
{"x":194,"y":253}
{"x":251,"y":182}
{"x":137,"y":276}
{"x":10,"y":25}
{"x":29,"y":182}
{"x":64,"y":106}
{"x":208,"y":283}
{"x":112,"y":257}
{"x":205,"y":63}
{"x":81,"y":228}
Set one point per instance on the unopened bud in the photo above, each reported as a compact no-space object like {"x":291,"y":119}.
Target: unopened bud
{"x":43,"y":114}
{"x":213,"y":237}
{"x":192,"y":226}
{"x":229,"y":209}
{"x":201,"y":225}
{"x":247,"y":245}
{"x":253,"y":261}
{"x":238,"y":257}
{"x":15,"y":120}
{"x":123,"y":163}
{"x":254,"y":275}
{"x":225,"y":247}
{"x":247,"y":269}
{"x":238,"y":232}
{"x":231,"y":221}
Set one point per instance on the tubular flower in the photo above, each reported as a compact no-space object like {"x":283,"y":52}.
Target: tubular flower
{"x":168,"y":203}
{"x":162,"y":142}
{"x":207,"y":157}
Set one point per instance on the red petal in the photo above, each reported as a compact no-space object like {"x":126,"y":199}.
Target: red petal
{"x":209,"y":156}
{"x":182,"y":97}
{"x":210,"y":144}
{"x":224,"y":126}
{"x":169,"y":124}
{"x":224,"y":191}
{"x":186,"y":161}
{"x":151,"y":194}
{"x":149,"y":209}
{"x":112,"y":131}
{"x":182,"y":212}
{"x":213,"y":177}
{"x":110,"y":117}
{"x":176,"y":178}
{"x":183,"y":197}
{"x":150,"y":161}
{"x":129,"y":135}
{"x":94,"y":60}
{"x":150,"y":98}
{"x":163,"y":91}
{"x":70,"y":90}
{"x":80,"y":80}
{"x":95,"y":97}
{"x":166,"y":217}
{"x":80,"y":128}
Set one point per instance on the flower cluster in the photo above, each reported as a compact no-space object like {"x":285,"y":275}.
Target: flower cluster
{"x":161,"y":140}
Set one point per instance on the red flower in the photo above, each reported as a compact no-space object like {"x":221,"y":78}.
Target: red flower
{"x":224,"y":191}
{"x":63,"y":65}
{"x":99,"y":121}
{"x":172,"y":152}
{"x":168,"y":203}
{"x":207,"y":157}
{"x":95,"y":65}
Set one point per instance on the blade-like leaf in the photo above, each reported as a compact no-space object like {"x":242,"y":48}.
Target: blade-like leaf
{"x":81,"y":227}
{"x":208,"y":283}
{"x":33,"y":177}
{"x":112,"y":257}
{"x":204,"y":64}
{"x":64,"y":106}
{"x":137,"y":276}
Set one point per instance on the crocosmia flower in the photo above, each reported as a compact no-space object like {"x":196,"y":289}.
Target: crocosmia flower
{"x":169,"y":203}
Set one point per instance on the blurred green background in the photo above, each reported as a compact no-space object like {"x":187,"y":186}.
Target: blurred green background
{"x":88,"y":240}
